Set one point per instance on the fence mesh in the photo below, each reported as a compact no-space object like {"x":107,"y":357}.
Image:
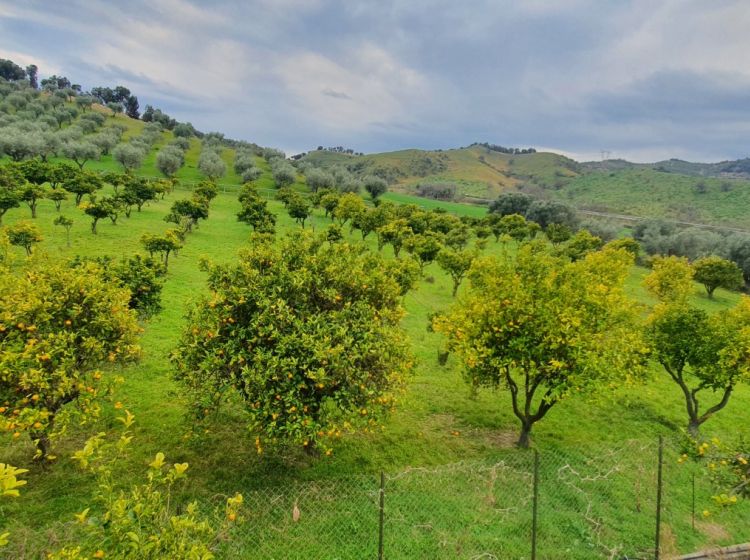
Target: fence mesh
{"x":591,"y":503}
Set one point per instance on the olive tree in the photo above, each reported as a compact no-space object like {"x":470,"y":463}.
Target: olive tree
{"x":169,"y":160}
{"x":283,"y":174}
{"x":318,"y":179}
{"x":20,"y":144}
{"x":375,"y":187}
{"x":129,"y":156}
{"x":211,"y":165}
{"x":81,"y":152}
{"x":306,"y":333}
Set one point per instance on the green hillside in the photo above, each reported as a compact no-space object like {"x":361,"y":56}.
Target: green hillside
{"x":615,"y":186}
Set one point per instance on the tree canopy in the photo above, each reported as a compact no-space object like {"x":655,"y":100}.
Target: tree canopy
{"x":545,"y":328}
{"x":305,"y":332}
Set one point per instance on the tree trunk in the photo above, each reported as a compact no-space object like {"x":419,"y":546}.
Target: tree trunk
{"x":524,"y":437}
{"x":93,"y":227}
{"x":311,"y":449}
{"x":33,"y":210}
{"x":694,"y":428}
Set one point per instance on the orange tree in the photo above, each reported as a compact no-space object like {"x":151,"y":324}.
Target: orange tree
{"x":703,"y":354}
{"x":305,"y":332}
{"x":543,"y":327}
{"x":58,"y":326}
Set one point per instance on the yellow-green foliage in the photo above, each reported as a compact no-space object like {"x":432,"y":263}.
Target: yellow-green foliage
{"x":58,"y":326}
{"x":305,"y":332}
{"x":143,"y":521}
{"x":9,"y":485}
{"x":702,"y":353}
{"x":714,"y":272}
{"x":671,"y":279}
{"x":23,"y":234}
{"x":543,"y":327}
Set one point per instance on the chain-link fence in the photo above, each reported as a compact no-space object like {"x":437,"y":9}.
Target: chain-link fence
{"x":576,"y":504}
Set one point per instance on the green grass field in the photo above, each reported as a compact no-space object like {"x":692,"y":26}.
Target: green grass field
{"x":437,"y":422}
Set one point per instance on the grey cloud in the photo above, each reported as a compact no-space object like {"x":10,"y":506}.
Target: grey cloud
{"x":335,"y":94}
{"x":579,"y":75}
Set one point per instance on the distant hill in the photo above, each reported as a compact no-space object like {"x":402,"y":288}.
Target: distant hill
{"x":716,"y":193}
{"x":478,"y":172}
{"x":734,"y":169}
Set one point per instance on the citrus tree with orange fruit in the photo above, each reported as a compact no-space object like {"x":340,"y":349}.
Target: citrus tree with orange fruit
{"x":59,"y":327}
{"x":306,"y":332}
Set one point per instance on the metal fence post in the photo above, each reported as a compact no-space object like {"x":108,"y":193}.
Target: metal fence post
{"x":535,"y":508}
{"x":659,"y":488}
{"x":382,"y":515}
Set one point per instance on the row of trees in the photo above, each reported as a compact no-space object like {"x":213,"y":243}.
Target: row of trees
{"x":544,"y":327}
{"x":64,"y":103}
{"x":185,"y":214}
{"x":504,"y":150}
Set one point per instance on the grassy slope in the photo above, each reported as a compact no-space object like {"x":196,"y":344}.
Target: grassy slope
{"x":438,"y":420}
{"x":648,"y":192}
{"x":633,"y":189}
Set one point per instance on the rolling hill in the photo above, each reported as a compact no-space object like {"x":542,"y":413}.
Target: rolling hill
{"x":706,"y":193}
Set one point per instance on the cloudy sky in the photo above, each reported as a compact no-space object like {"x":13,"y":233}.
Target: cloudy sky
{"x":643,"y":79}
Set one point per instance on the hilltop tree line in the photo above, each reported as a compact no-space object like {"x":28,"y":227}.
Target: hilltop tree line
{"x":118,"y":99}
{"x":503,"y":149}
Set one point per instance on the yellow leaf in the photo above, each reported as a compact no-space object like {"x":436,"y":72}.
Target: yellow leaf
{"x":158,"y":461}
{"x":81,"y":517}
